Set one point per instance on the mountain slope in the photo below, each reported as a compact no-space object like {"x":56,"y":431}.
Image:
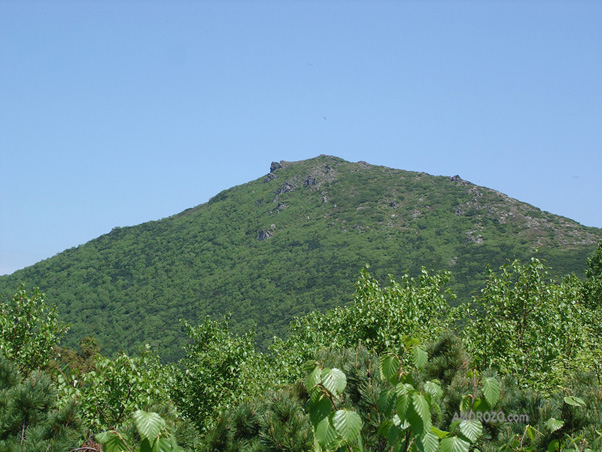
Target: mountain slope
{"x":290,"y":242}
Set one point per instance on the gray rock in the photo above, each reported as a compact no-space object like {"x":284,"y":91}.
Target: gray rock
{"x":286,"y":187}
{"x":269,"y":178}
{"x":264,"y":234}
{"x":309,"y":180}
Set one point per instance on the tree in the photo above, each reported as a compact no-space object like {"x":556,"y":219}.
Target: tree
{"x":593,"y":279}
{"x":353,"y":400}
{"x":592,"y":292}
{"x":380,"y":318}
{"x":29,"y":417}
{"x":219,"y":371}
{"x":117,"y":387}
{"x":29,"y":329}
{"x":524,"y":324}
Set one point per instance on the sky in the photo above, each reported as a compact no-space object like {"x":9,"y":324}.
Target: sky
{"x":114,"y":113}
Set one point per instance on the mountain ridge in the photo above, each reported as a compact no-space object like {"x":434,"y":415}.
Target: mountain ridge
{"x":289,"y":242}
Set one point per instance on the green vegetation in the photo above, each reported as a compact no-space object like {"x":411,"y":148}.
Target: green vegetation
{"x":30,"y":419}
{"x":398,"y":369}
{"x":257,"y":344}
{"x":153,"y":433}
{"x":29,"y":329}
{"x":320,"y":221}
{"x":219,"y":371}
{"x":525,"y":324}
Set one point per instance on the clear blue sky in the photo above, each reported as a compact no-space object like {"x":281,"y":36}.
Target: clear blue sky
{"x":113,"y":113}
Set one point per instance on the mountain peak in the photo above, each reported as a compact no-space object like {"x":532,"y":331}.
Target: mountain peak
{"x":291,"y":242}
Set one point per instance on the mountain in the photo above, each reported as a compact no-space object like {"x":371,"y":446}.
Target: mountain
{"x":289,"y":242}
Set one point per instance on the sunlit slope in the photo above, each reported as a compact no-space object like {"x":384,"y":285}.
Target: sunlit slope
{"x":289,"y":242}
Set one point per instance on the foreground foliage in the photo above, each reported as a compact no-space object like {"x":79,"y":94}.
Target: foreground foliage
{"x":398,"y":369}
{"x":219,"y":371}
{"x":527,"y":325}
{"x":29,"y":329}
{"x":30,"y":418}
{"x":150,"y":428}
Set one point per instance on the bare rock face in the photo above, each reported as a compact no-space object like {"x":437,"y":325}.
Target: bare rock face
{"x":286,"y":187}
{"x":309,"y":180}
{"x":264,"y":234}
{"x":474,"y":236}
{"x":459,"y":180}
{"x":269,"y":177}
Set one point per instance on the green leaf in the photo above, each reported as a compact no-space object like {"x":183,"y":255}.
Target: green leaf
{"x":389,"y":367}
{"x":410,"y":341}
{"x":574,"y":401}
{"x":325,"y":432}
{"x":384,"y":428}
{"x":481,"y":405}
{"x":491,"y":390}
{"x":389,"y":430}
{"x":418,"y":414}
{"x":471,"y":429}
{"x":419,"y":357}
{"x":149,"y":425}
{"x":402,"y":389}
{"x":466,"y":403}
{"x":112,"y":442}
{"x":428,"y":443}
{"x":393,"y":433}
{"x":554,"y":424}
{"x":434,"y":389}
{"x":319,"y":410}
{"x":164,"y":444}
{"x":401,"y":407}
{"x":386,"y":401}
{"x":453,"y":427}
{"x":145,"y":446}
{"x":347,"y":423}
{"x":440,"y":433}
{"x":454,"y":444}
{"x":103,"y":437}
{"x":315,"y":395}
{"x":334,"y":381}
{"x":313,"y":379}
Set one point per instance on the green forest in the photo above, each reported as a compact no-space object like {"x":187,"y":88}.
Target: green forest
{"x":289,"y":243}
{"x":402,"y":367}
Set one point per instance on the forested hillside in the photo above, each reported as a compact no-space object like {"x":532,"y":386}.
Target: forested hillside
{"x":288,"y":243}
{"x":517,"y":369}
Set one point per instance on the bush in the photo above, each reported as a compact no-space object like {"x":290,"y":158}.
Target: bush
{"x":29,"y":417}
